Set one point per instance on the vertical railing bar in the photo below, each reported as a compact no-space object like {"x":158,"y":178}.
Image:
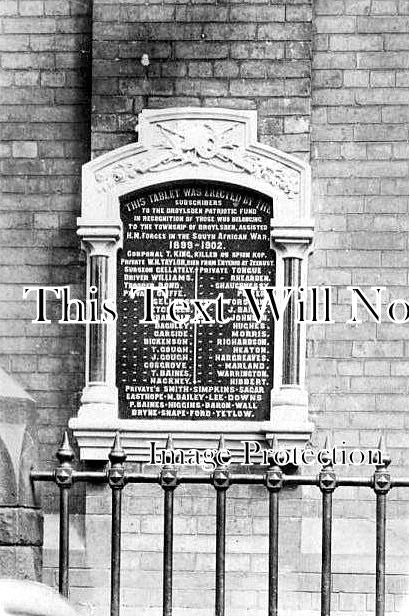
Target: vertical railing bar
{"x":380,"y":554}
{"x":221,"y":482}
{"x":326,"y":572}
{"x":220,"y":552}
{"x":116,"y":552}
{"x":382,"y":485}
{"x":274,"y":482}
{"x":168,"y":481}
{"x":64,"y":543}
{"x":273,"y":554}
{"x":327,"y":484}
{"x":63,"y":479}
{"x":116,"y":480}
{"x":168,"y":553}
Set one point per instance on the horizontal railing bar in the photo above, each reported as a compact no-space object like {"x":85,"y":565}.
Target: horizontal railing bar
{"x":42,"y":476}
{"x":400,"y":483}
{"x":140,"y":478}
{"x":95,"y":476}
{"x":90,"y":475}
{"x":361,"y":482}
{"x":237,"y":478}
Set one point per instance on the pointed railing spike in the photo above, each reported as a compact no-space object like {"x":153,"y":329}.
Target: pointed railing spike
{"x":117,"y":440}
{"x":65,"y":441}
{"x":169,"y":442}
{"x":274,"y":449}
{"x":385,"y":458}
{"x":222,"y":444}
{"x":381,"y":449}
{"x":65,"y":452}
{"x":116,"y":480}
{"x":328,"y":447}
{"x":117,"y":454}
{"x":63,"y":475}
{"x":274,"y":443}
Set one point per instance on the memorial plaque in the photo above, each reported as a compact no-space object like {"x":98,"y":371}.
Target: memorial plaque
{"x":196,"y":240}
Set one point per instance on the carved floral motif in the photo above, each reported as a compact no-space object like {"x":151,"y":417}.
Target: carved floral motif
{"x":198,"y":143}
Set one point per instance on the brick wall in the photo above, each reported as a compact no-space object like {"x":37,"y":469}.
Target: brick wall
{"x":240,"y":55}
{"x":194,"y":545}
{"x":234,"y":54}
{"x":361,"y":185}
{"x":44,"y":132}
{"x":358,"y":375}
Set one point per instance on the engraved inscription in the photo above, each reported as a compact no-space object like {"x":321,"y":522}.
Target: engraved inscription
{"x":194,"y":240}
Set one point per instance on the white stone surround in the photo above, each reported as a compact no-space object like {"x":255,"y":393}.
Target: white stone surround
{"x":200,"y":144}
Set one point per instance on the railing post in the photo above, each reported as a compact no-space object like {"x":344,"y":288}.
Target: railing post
{"x":327,"y":483}
{"x":64,"y":479}
{"x":168,"y":481}
{"x":381,"y":485}
{"x":221,"y":481}
{"x":116,"y":480}
{"x":274,"y":482}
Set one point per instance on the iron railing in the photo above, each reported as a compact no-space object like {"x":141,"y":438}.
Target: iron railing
{"x":117,"y":477}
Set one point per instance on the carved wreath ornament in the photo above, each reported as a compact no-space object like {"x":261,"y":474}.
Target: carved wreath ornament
{"x":201,"y":143}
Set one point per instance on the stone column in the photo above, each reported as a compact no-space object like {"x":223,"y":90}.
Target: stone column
{"x":100,"y":393}
{"x":289,"y":399}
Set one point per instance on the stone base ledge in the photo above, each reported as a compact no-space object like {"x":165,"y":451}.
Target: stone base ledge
{"x":98,"y":421}
{"x":95,"y":439}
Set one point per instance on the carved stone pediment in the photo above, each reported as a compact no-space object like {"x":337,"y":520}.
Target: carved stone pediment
{"x":209,"y":144}
{"x":194,"y":143}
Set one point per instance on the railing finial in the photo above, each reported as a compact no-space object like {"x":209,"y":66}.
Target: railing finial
{"x":385,"y":458}
{"x":274,"y":443}
{"x":222,"y":444}
{"x":274,"y":476}
{"x":169,"y":443}
{"x":117,"y":455}
{"x":168,"y":477}
{"x":221,"y":476}
{"x":327,"y":447}
{"x":273,"y":451}
{"x":65,"y":453}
